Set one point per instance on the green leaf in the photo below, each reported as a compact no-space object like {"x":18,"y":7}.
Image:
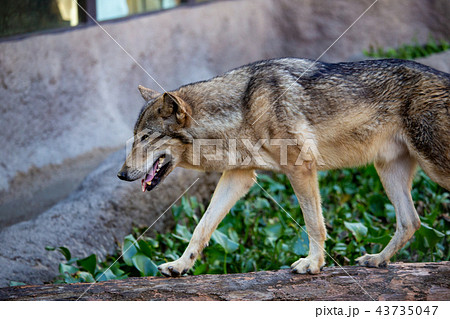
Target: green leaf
{"x":200,"y":269}
{"x":261,"y":203}
{"x":186,"y":205}
{"x":105,"y":274}
{"x":357,"y":229}
{"x":376,"y":204}
{"x":63,"y":250}
{"x":430,"y":235}
{"x":275,"y":187}
{"x":227,"y":244}
{"x":50,"y":248}
{"x":301,"y":244}
{"x":233,"y":235}
{"x":145,"y":265}
{"x":67,"y":269}
{"x":71,"y":280}
{"x":89,"y":263}
{"x":274,"y":231}
{"x":115,"y":268}
{"x":129,"y":249}
{"x":85,"y":277}
{"x":340,"y":248}
{"x":390,"y":211}
{"x":383,"y":240}
{"x":16,"y":283}
{"x":145,"y":248}
{"x":153,"y":243}
{"x":172,"y":256}
{"x":182,"y":233}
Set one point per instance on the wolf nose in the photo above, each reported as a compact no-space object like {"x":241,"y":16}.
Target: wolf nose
{"x":122,"y":175}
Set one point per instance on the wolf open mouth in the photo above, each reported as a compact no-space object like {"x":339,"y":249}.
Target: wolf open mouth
{"x":156,"y":174}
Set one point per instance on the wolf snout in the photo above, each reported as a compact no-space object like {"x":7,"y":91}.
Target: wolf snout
{"x":126,"y":174}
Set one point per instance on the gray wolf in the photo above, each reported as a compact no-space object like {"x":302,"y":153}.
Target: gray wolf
{"x":393,"y":113}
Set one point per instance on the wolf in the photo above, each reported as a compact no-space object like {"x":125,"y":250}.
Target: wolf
{"x":393,"y":113}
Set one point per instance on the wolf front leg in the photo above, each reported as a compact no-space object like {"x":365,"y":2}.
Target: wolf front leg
{"x":232,"y":186}
{"x":304,"y":181}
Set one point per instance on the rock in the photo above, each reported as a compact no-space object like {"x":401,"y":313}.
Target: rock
{"x":311,"y":28}
{"x":33,"y":192}
{"x":92,"y":220}
{"x":439,"y":61}
{"x":415,"y":281}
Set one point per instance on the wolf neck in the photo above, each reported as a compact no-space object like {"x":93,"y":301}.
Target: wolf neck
{"x":216,"y":104}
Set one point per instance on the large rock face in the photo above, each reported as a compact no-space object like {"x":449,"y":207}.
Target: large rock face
{"x":68,"y":99}
{"x":439,"y":61}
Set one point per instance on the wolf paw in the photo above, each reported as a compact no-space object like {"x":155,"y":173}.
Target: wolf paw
{"x":372,"y":261}
{"x":307,"y":265}
{"x":175,"y":268}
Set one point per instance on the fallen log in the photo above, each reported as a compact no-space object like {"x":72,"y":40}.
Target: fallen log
{"x":399,"y":281}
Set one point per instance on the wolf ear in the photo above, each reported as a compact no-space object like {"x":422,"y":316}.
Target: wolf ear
{"x":174,"y":105}
{"x":148,"y":94}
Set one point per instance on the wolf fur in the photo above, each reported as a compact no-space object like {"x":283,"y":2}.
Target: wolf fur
{"x":393,"y":113}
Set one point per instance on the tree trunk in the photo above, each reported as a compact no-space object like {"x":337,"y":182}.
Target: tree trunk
{"x":415,"y":281}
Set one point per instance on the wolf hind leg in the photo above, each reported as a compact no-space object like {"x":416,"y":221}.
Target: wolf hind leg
{"x":439,"y":175}
{"x":396,"y":176}
{"x":232,"y":185}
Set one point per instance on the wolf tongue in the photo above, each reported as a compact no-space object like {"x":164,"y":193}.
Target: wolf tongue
{"x":149,"y":177}
{"x":151,"y":174}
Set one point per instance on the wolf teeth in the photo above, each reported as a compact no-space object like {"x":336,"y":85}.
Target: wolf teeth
{"x":149,"y":183}
{"x":161,"y":160}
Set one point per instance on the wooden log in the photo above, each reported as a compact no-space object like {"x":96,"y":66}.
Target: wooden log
{"x":400,"y":281}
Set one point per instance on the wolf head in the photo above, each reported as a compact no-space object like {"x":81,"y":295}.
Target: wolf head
{"x":160,"y":136}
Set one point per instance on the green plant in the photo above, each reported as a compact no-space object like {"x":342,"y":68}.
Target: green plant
{"x":258,"y":235}
{"x":409,"y":51}
{"x":86,"y":269}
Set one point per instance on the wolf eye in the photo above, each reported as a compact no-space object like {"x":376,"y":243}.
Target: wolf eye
{"x":144,"y":137}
